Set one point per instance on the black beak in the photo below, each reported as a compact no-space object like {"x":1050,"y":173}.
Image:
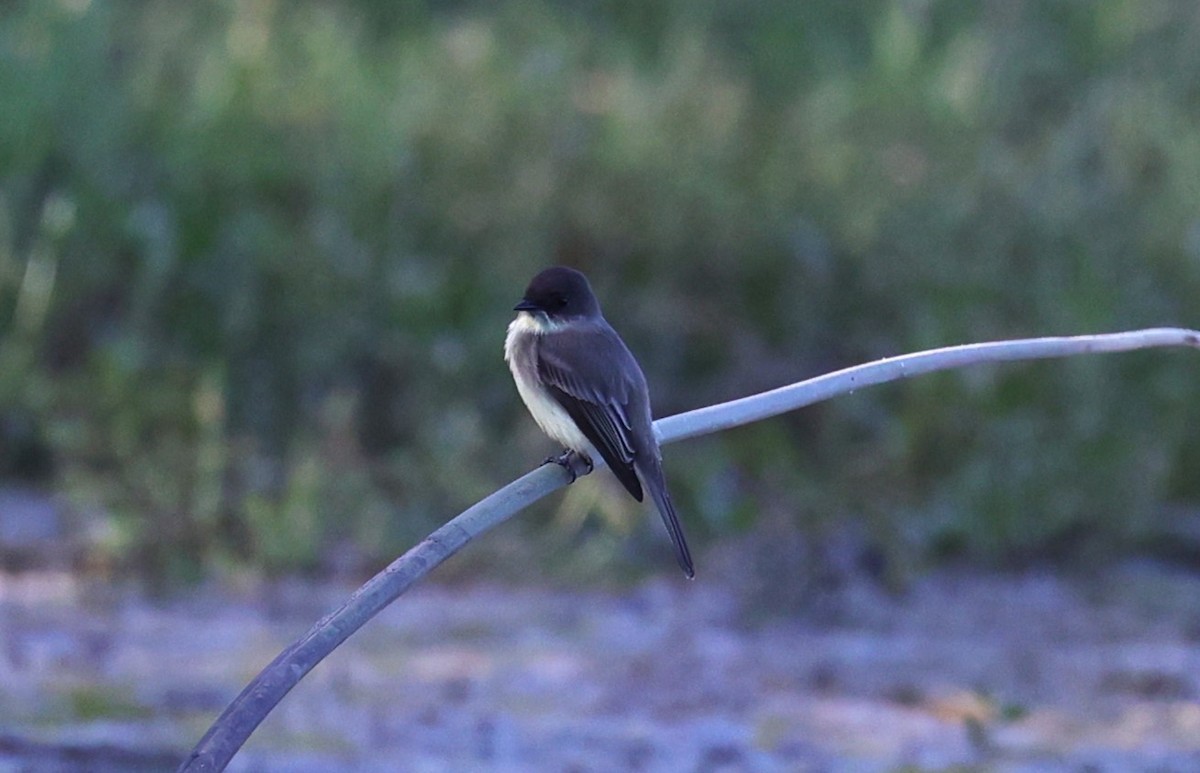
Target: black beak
{"x":525,"y":305}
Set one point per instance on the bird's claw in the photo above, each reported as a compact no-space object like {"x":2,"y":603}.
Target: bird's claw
{"x":567,"y":459}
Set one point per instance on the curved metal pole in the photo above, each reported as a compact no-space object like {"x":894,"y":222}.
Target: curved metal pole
{"x":248,"y":710}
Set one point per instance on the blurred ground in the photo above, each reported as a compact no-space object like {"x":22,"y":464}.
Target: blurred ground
{"x":1020,"y":672}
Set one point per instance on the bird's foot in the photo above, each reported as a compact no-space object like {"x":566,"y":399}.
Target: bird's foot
{"x":573,"y":462}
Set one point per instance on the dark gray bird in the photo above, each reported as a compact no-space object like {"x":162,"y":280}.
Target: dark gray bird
{"x":585,"y":389}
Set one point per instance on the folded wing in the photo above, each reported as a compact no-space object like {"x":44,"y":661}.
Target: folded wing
{"x":600,"y":392}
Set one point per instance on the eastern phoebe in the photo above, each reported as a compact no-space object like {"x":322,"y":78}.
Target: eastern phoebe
{"x":585,"y":389}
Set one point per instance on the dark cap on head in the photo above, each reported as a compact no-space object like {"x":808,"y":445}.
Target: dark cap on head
{"x":560,"y":292}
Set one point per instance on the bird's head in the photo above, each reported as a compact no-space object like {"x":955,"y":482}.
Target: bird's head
{"x":559,"y":295}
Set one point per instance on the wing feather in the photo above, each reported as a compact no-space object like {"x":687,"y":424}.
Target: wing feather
{"x":597,"y":397}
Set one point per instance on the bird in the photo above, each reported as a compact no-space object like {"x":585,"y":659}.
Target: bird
{"x":585,"y":389}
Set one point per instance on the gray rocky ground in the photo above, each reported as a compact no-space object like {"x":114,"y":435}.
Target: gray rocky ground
{"x":1027,"y":672}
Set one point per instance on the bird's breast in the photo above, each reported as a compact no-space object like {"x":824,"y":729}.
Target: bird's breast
{"x":520,"y":351}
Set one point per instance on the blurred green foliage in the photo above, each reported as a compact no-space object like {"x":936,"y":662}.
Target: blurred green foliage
{"x":256,"y":258}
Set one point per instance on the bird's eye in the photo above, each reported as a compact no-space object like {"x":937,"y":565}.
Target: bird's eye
{"x":560,"y":301}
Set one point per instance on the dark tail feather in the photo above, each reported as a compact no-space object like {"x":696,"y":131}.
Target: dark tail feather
{"x":662,"y":500}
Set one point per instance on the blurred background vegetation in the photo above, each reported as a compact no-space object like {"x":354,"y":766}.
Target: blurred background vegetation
{"x":257,"y":258}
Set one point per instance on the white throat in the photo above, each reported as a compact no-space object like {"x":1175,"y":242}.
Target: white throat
{"x":533,"y":322}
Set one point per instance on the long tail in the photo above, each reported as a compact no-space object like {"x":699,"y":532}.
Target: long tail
{"x":653,"y":478}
